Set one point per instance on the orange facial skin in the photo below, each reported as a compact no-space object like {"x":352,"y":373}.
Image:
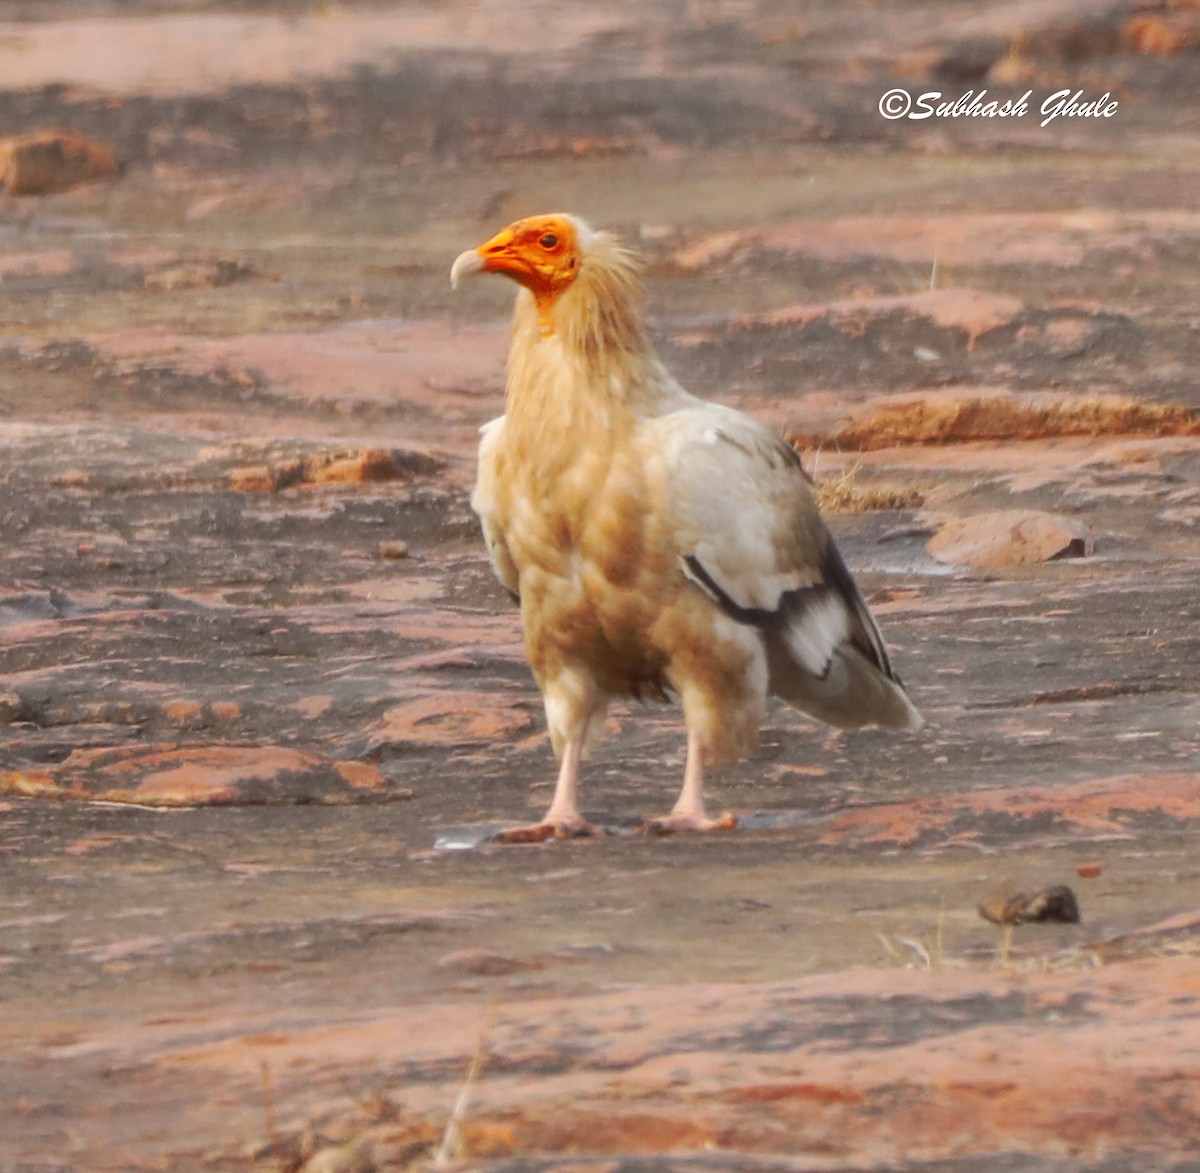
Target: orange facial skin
{"x":540,"y":252}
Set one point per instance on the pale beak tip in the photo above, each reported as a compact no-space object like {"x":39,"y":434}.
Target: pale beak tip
{"x":466,"y":264}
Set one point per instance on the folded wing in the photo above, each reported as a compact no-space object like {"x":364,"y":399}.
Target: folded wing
{"x":750,"y":537}
{"x":483,"y":502}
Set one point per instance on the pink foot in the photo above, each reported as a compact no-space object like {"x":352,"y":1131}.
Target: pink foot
{"x":675,"y":822}
{"x":570,"y":828}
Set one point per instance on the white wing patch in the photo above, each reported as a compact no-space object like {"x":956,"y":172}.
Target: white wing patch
{"x":815,"y":632}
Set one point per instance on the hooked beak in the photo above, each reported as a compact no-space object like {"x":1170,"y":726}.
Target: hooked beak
{"x":467,"y":263}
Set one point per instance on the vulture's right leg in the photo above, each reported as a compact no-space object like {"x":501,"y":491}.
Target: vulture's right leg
{"x":572,"y":705}
{"x":562,"y":820}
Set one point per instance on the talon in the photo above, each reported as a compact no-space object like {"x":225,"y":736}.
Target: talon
{"x":550,"y":829}
{"x":536,"y":834}
{"x":579,"y":830}
{"x":674,"y":823}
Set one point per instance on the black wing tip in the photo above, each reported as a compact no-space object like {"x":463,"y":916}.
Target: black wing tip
{"x":834,"y":577}
{"x":835,"y":571}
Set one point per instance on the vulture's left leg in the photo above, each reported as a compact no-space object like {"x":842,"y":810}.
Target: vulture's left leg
{"x":689,"y":814}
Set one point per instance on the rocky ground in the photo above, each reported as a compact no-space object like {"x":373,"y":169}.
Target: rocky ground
{"x":263,"y":704}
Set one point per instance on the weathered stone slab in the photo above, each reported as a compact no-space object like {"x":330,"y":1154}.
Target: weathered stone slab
{"x":52,"y":160}
{"x":166,"y":775}
{"x":1009,"y":537}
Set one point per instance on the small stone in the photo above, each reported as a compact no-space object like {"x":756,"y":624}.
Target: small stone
{"x":183,"y":712}
{"x":265,"y":478}
{"x":1057,"y":904}
{"x":1164,"y":33}
{"x":362,"y":776}
{"x":343,"y":467}
{"x":393,"y":549}
{"x":1002,"y":912}
{"x":11,"y":706}
{"x":196,"y":275}
{"x":1009,"y":537}
{"x":355,"y":1157}
{"x":966,"y":62}
{"x":30,"y":784}
{"x":53,"y":160}
{"x":484,"y":963}
{"x":256,"y":479}
{"x":367,"y":465}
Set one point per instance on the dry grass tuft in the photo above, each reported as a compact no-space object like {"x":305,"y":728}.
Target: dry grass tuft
{"x":843,"y":492}
{"x":449,"y":1149}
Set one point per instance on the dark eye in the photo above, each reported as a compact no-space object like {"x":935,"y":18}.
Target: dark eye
{"x":549,"y":240}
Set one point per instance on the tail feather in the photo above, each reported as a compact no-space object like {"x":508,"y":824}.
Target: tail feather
{"x":851,"y":694}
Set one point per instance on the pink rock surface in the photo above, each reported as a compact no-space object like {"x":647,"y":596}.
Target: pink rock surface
{"x":430,"y":364}
{"x":213,"y":774}
{"x":1022,"y":237}
{"x":210,"y":52}
{"x":1095,"y":807}
{"x":960,"y":1064}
